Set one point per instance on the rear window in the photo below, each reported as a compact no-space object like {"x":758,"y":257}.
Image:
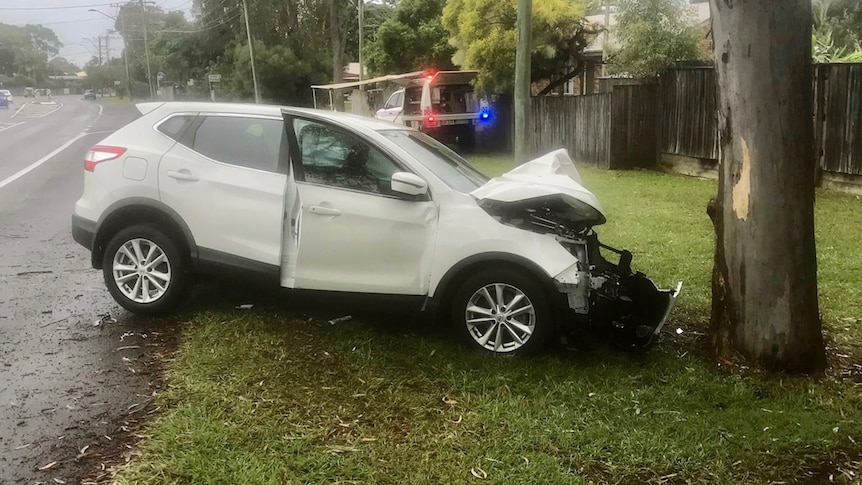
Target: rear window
{"x":175,"y":126}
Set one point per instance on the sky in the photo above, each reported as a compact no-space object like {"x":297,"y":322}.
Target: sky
{"x":75,"y":26}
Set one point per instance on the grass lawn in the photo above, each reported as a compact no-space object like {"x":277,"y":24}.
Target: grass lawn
{"x":259,"y":397}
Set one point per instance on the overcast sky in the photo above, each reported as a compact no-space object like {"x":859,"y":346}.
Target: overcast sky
{"x":72,"y":22}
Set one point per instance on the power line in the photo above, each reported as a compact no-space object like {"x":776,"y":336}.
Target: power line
{"x":57,"y":8}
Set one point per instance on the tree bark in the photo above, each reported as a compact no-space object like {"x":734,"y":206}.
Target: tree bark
{"x":765,"y":275}
{"x":337,"y":53}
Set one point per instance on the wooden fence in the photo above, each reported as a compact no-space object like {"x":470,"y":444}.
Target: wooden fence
{"x":610,"y":130}
{"x":580,"y":124}
{"x":687,"y":118}
{"x":838,"y":115}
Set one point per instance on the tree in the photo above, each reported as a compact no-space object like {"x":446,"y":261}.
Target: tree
{"x":764,"y":301}
{"x":653,"y":34}
{"x":60,"y":66}
{"x":483,"y":34}
{"x":26,"y":50}
{"x":411,"y":39}
{"x":841,"y":21}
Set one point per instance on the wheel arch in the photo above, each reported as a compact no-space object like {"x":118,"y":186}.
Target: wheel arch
{"x":137,"y":211}
{"x":448,"y":285}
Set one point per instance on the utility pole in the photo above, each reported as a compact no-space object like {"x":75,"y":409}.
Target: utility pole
{"x":99,"y":38}
{"x":522,"y":80}
{"x":607,"y":4}
{"x":251,"y":54}
{"x":147,"y":47}
{"x":361,"y":34}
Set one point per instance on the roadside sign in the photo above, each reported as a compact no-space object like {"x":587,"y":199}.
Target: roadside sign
{"x":214,"y":78}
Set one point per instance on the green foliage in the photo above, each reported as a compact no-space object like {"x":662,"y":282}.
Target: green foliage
{"x":653,"y":34}
{"x":60,"y":66}
{"x":411,"y":39}
{"x":841,"y":21}
{"x":25,"y":50}
{"x":484,"y":36}
{"x":825,"y":50}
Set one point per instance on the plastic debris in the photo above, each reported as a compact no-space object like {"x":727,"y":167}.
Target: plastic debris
{"x":244,"y":306}
{"x":679,"y":331}
{"x":340,"y":319}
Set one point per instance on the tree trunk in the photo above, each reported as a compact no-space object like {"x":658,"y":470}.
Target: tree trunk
{"x":337,"y":53}
{"x":765,"y":275}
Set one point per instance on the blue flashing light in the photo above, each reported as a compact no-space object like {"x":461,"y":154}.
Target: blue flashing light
{"x":485,"y":115}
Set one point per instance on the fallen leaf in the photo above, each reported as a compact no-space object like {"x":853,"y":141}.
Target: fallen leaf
{"x":448,"y":401}
{"x":48,"y":466}
{"x":57,"y":480}
{"x":591,"y":394}
{"x":84,"y":449}
{"x":526,"y":460}
{"x":479,"y":473}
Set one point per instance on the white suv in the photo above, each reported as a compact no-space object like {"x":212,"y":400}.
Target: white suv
{"x":318,"y":200}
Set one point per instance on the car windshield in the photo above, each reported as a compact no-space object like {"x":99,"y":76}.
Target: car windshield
{"x":453,"y":170}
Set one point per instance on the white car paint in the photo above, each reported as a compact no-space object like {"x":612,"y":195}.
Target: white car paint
{"x":322,"y":237}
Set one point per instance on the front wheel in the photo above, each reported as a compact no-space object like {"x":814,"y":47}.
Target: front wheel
{"x":502,"y":311}
{"x":144,"y":271}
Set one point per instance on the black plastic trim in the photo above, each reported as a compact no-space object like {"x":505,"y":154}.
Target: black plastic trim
{"x":83,"y":231}
{"x":219,"y":264}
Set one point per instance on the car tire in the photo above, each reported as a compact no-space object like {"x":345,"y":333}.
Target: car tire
{"x":144,"y":270}
{"x":518,"y":318}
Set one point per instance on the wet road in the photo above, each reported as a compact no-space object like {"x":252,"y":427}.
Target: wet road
{"x":65,"y":382}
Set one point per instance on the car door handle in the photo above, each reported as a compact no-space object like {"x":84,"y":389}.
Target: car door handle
{"x":324,"y":211}
{"x":182,"y":175}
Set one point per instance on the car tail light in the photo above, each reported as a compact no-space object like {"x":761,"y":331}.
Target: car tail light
{"x":100,"y":153}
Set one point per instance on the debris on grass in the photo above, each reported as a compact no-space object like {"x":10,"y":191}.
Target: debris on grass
{"x":479,"y":473}
{"x":345,"y":318}
{"x":48,"y":466}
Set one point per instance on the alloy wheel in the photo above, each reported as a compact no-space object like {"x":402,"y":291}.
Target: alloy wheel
{"x":141,"y":270}
{"x":500,"y":317}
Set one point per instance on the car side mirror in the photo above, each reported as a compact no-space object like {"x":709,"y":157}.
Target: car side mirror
{"x":408,"y":184}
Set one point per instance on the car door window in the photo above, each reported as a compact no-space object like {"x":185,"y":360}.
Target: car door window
{"x":175,"y":126}
{"x":339,"y":159}
{"x":242,"y":141}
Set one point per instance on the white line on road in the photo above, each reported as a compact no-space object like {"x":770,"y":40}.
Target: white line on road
{"x":18,"y":110}
{"x":42,"y":160}
{"x":13,"y":125}
{"x":51,"y":155}
{"x":49,"y":112}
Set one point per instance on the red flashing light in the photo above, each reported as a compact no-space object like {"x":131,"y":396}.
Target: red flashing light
{"x":430,"y":119}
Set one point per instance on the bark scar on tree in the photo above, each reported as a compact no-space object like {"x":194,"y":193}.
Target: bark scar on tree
{"x":742,"y":188}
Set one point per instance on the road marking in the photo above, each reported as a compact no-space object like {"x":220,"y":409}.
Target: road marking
{"x":42,"y":160}
{"x":98,"y":132}
{"x":13,"y":125}
{"x":18,"y":111}
{"x":49,"y":156}
{"x":49,"y":112}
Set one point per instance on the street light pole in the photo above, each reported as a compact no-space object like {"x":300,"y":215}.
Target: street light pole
{"x":251,"y":54}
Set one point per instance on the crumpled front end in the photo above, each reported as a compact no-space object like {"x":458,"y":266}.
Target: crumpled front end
{"x":546,"y":196}
{"x":612,"y":297}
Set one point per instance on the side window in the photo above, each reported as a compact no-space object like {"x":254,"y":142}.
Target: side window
{"x":175,"y":126}
{"x":338,"y":159}
{"x":245,"y":142}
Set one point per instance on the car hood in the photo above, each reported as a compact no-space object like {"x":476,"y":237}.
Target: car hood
{"x":549,"y":180}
